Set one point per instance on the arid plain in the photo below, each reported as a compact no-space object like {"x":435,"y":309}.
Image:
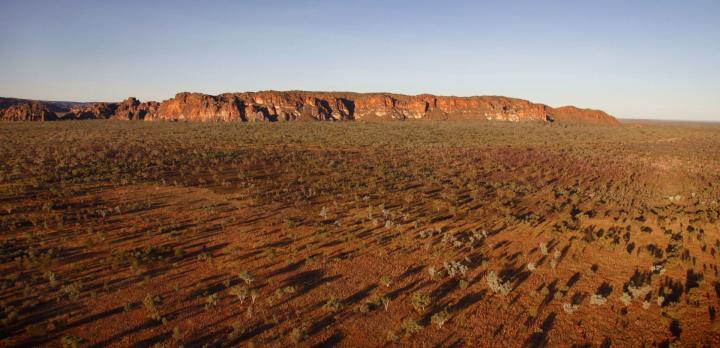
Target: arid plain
{"x":420,"y":233}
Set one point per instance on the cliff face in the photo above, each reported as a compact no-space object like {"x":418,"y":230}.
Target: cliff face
{"x":325,"y":106}
{"x":199,"y":108}
{"x":331,"y":106}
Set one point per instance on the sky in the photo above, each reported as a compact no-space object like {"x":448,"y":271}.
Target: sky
{"x":634,"y":59}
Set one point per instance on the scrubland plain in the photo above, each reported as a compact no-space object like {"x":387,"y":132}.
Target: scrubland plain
{"x":356,"y":234}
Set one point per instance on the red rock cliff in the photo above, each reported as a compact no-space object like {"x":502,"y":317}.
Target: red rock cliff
{"x":325,"y":106}
{"x":287,"y":106}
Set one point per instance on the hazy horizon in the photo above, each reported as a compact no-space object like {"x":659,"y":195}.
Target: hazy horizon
{"x":645,"y":59}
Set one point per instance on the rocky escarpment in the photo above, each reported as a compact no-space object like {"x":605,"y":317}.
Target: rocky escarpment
{"x":289,"y":106}
{"x":324,"y":106}
{"x":331,"y":106}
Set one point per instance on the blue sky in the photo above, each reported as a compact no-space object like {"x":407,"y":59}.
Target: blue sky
{"x":644,"y":59}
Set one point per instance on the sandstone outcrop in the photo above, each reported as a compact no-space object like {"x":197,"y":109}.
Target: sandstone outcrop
{"x":129,"y":109}
{"x":332,"y":106}
{"x":326,"y":106}
{"x":28,"y":111}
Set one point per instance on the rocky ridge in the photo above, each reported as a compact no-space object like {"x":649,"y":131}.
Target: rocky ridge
{"x":300,"y":105}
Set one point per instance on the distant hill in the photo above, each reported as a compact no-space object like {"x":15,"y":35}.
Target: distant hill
{"x":55,"y":106}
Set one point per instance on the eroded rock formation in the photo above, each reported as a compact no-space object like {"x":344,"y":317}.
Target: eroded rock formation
{"x":330,"y":106}
{"x":287,"y":106}
{"x":27,"y":111}
{"x":129,"y":109}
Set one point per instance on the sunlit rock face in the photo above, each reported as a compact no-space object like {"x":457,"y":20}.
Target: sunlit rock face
{"x":330,"y":106}
{"x":271,"y":106}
